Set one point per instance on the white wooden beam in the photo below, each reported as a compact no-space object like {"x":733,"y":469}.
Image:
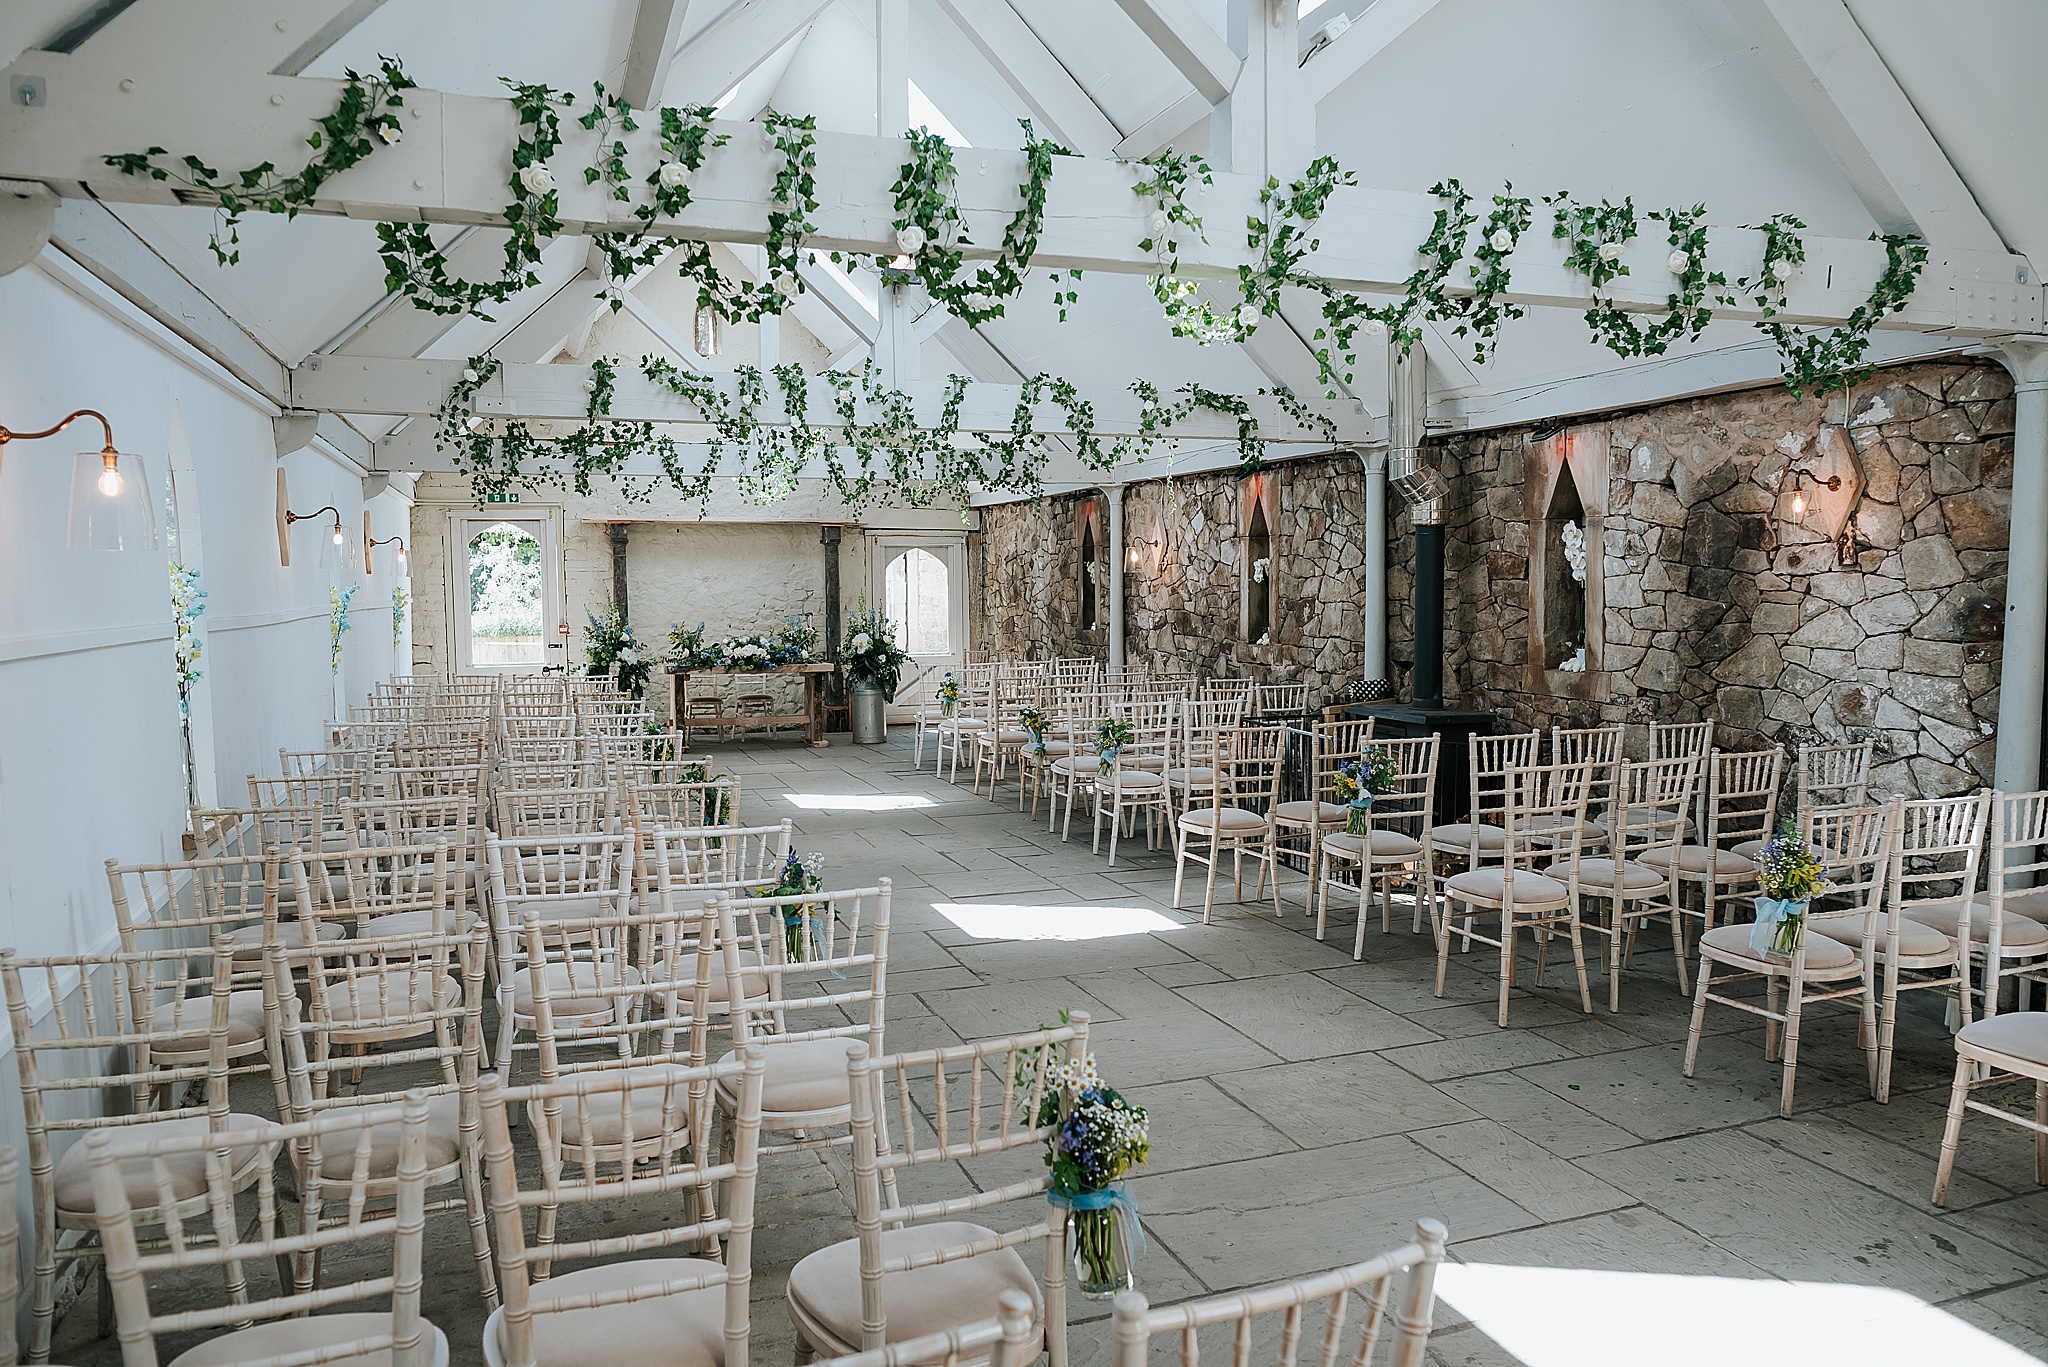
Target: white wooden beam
{"x":1159,"y":131}
{"x":1059,"y":107}
{"x":1187,"y":41}
{"x":657,"y":26}
{"x":449,"y":168}
{"x":741,"y":39}
{"x":1854,"y":105}
{"x":326,"y":36}
{"x":1370,"y":34}
{"x":361,"y":384}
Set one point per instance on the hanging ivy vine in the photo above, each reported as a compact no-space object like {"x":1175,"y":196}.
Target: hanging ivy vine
{"x":930,"y":231}
{"x":365,"y":118}
{"x":792,"y":200}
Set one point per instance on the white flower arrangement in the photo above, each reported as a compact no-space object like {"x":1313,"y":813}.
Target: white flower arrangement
{"x":1259,"y":568}
{"x":1574,"y":550}
{"x":536,"y":178}
{"x":673,"y":173}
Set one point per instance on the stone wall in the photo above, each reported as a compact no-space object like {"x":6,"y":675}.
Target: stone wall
{"x":1718,"y":600}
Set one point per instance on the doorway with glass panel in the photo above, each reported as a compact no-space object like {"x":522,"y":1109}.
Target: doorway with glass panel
{"x":921,"y":583}
{"x":506,"y":594}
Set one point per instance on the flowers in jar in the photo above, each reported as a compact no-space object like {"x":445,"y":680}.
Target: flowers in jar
{"x":1357,"y":782}
{"x":1098,"y":1138}
{"x":1111,"y":736}
{"x":1790,"y":876}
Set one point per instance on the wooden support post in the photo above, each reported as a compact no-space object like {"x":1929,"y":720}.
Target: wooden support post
{"x":829,"y":536}
{"x":618,"y":533}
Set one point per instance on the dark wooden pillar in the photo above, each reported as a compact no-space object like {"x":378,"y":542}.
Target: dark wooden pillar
{"x":618,"y":531}
{"x":829,"y":538}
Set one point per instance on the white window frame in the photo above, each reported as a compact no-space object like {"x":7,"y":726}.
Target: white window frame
{"x":952,"y":551}
{"x":464,"y":524}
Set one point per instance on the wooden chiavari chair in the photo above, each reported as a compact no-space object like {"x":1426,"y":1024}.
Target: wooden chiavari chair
{"x":1136,"y":781}
{"x":2001,"y":924}
{"x":1740,"y":810}
{"x":1479,"y":839}
{"x":1637,"y":880}
{"x":1331,"y":745}
{"x":558,"y":878}
{"x":1396,"y":845}
{"x":1238,"y":818}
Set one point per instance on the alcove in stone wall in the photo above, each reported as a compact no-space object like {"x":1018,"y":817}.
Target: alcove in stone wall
{"x":1259,"y":566}
{"x":1566,"y":482}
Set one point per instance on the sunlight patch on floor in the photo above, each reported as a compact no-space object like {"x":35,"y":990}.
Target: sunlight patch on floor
{"x":857,"y":802}
{"x":1577,"y":1317}
{"x":1081,"y":921}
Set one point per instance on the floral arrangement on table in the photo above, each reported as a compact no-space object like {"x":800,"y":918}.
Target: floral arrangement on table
{"x":400,"y":601}
{"x":1357,"y":782}
{"x":869,"y":655}
{"x":337,"y":623}
{"x":1100,"y":1138}
{"x":948,"y":695}
{"x":1791,"y":876}
{"x":188,"y":600}
{"x":611,"y":647}
{"x":1111,"y":736}
{"x":1036,"y":722}
{"x":689,"y":651}
{"x":801,"y":873}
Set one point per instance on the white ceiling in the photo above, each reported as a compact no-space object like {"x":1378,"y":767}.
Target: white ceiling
{"x":1666,"y":101}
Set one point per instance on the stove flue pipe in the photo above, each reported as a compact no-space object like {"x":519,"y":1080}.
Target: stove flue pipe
{"x":1424,"y":491}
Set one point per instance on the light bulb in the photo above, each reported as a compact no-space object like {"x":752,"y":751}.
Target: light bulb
{"x":337,"y":533}
{"x":1799,"y":504}
{"x":110,"y":482}
{"x":401,"y":557}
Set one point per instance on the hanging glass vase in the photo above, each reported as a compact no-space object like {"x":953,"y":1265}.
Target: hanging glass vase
{"x":1780,"y":928}
{"x":1358,"y":815}
{"x":1101,"y":1236}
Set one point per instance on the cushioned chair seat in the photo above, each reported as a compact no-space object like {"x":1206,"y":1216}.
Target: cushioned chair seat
{"x":575,"y":989}
{"x":444,"y":1142}
{"x":248,"y":940}
{"x":2028,"y":902}
{"x":824,"y":1288}
{"x":803,"y":1076}
{"x":1191,"y":778}
{"x":281,"y":1338}
{"x":753,"y":982}
{"x":73,"y":1176}
{"x":1550,"y":832}
{"x":1598,"y":874}
{"x":605,"y":1113}
{"x":552,"y":909}
{"x":1648,"y":816}
{"x":1235,"y":820}
{"x":1490,"y":885}
{"x":1301,"y":813}
{"x":366,"y":1000}
{"x":1059,"y":748}
{"x":1748,"y":849}
{"x":419,"y":922}
{"x":1730,"y":944}
{"x":1135,"y":778}
{"x":963,"y":724}
{"x":2018,"y":934}
{"x":682,"y":1329}
{"x":193,"y":1019}
{"x":1012,"y":735}
{"x":2015,"y":1034}
{"x":1458,"y":836}
{"x":1085,"y":765}
{"x":1385,"y":845}
{"x":1729,"y":867}
{"x":1916,"y":939}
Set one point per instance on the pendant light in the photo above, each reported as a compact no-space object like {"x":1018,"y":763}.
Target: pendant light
{"x":110,"y":507}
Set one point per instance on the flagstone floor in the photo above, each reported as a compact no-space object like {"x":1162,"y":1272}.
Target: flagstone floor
{"x":1307,"y":1109}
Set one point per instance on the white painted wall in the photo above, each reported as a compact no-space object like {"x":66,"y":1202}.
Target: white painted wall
{"x":89,"y":741}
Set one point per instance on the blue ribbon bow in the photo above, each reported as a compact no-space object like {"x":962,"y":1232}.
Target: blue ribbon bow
{"x":1118,"y":1196}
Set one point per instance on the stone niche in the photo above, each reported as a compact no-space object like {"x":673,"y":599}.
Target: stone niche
{"x":1258,"y":590}
{"x":1091,"y":570}
{"x":1565,"y":486}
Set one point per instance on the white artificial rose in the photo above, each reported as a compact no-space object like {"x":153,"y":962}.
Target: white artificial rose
{"x":673,"y":173}
{"x":1610,"y":251}
{"x":859,"y":644}
{"x":469,"y":375}
{"x":537,"y":179}
{"x":590,"y":386}
{"x":1781,"y":270}
{"x":389,"y":132}
{"x":1374,"y":327}
{"x":1502,"y":239}
{"x":1247,"y":315}
{"x":1159,"y":223}
{"x":1678,"y":263}
{"x":910,"y":239}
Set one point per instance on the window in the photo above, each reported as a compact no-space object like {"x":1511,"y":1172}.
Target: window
{"x":917,"y":596}
{"x":1259,"y":577}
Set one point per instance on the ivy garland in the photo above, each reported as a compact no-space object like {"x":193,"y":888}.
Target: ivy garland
{"x":364,"y":118}
{"x":1171,"y":174}
{"x":929,"y":229}
{"x":792,"y":199}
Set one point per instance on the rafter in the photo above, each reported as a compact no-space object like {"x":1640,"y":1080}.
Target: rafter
{"x":726,"y":53}
{"x":657,"y":27}
{"x":1370,"y":34}
{"x":1187,"y":41}
{"x":1062,"y":109}
{"x":1826,"y":64}
{"x":449,"y":168}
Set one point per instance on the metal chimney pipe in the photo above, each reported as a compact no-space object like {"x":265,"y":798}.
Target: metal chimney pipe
{"x":1424,"y":491}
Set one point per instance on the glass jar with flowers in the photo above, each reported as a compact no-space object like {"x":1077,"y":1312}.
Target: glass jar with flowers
{"x":1357,"y":782}
{"x":1034,"y":722}
{"x":1791,"y":876}
{"x":948,"y":694}
{"x":801,"y":873}
{"x":1111,"y":736}
{"x":1100,"y":1137}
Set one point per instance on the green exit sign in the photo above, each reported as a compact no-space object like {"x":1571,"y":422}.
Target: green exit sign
{"x":501,"y":498}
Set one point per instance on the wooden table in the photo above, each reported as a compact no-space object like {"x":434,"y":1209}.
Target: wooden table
{"x":812,"y":718}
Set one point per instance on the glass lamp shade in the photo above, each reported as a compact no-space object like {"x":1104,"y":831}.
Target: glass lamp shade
{"x":110,"y":504}
{"x":337,"y":552}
